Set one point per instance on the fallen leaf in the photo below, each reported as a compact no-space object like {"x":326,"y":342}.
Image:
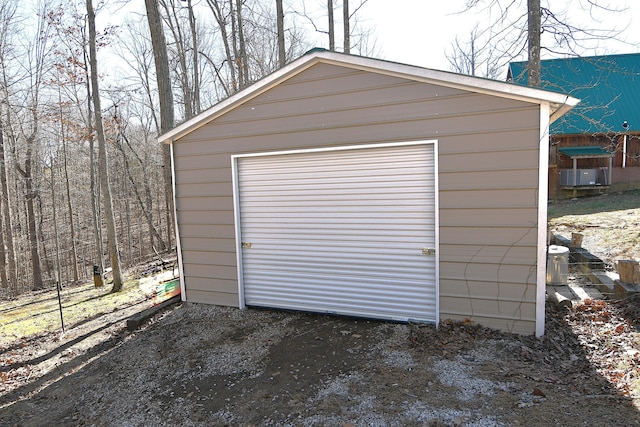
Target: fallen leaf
{"x":537,"y":392}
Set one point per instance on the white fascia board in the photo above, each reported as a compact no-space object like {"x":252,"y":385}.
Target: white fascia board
{"x":543,"y":176}
{"x":559,"y":103}
{"x":452,"y":80}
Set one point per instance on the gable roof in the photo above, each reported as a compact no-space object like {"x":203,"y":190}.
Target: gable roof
{"x":608,"y":87}
{"x":559,"y":103}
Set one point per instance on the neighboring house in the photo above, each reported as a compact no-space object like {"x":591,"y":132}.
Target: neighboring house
{"x":605,"y":125}
{"x":361,"y":187}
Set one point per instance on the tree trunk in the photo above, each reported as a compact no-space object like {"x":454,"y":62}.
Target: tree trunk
{"x":36,"y":268}
{"x":3,"y":256}
{"x":102,"y":155}
{"x":27,"y":174}
{"x":166,"y":104}
{"x":280,"y":25}
{"x":181,"y":54}
{"x":224,"y":35}
{"x":58,"y":266}
{"x":8,"y":223}
{"x":244,"y":62}
{"x":347,"y":29}
{"x":74,"y":251}
{"x":534,"y":34}
{"x":146,"y":210}
{"x":332,"y":28}
{"x":197,"y":108}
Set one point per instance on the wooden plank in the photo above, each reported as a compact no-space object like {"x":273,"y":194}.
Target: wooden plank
{"x":134,"y":322}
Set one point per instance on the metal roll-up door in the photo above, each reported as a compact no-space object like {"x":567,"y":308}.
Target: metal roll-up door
{"x":347,"y":231}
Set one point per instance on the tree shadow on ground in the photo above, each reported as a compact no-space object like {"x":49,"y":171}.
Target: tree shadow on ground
{"x":193,"y":365}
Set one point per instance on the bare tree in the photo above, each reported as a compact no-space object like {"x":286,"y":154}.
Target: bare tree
{"x":282,"y":59}
{"x":332,"y":27}
{"x":515,"y":29}
{"x":534,"y":15}
{"x":474,"y":57}
{"x":346,"y":18}
{"x":195,"y":53}
{"x":27,"y":163}
{"x":165,"y":96}
{"x":105,"y":185}
{"x":8,"y":259}
{"x":242,"y":47}
{"x":221,"y":18}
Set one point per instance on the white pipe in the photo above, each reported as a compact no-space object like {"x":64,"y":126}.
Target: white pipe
{"x":624,"y":152}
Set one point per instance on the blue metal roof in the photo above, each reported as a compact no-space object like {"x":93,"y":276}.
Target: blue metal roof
{"x":589,"y":152}
{"x":608,"y":87}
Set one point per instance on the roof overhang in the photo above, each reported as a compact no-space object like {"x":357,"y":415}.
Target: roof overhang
{"x":559,"y":103}
{"x":587,"y":152}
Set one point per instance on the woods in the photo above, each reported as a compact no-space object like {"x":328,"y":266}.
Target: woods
{"x":84,"y":93}
{"x":83,"y":97}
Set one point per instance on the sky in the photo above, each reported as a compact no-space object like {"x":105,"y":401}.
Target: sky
{"x":418,"y":32}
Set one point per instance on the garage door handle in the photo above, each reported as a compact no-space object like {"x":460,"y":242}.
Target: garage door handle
{"x":429,"y":251}
{"x":246,"y":245}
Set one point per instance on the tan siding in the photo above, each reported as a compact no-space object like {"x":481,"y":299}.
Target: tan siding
{"x":489,"y":236}
{"x":487,"y":254}
{"x":205,"y":217}
{"x":512,"y":292}
{"x":203,"y":175}
{"x":204,"y":244}
{"x":225,"y":231}
{"x":488,"y":160}
{"x":464,"y":140}
{"x":208,"y":257}
{"x":203,"y":271}
{"x":213,"y":297}
{"x":291,"y":133}
{"x":336,"y":117}
{"x":495,"y":272}
{"x":203,"y":161}
{"x":523,"y":327}
{"x":488,"y":217}
{"x":499,"y":180}
{"x":205,"y":203}
{"x":483,"y":199}
{"x":488,"y":308}
{"x":205,"y":189}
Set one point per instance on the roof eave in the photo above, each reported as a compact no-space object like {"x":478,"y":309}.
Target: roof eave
{"x":560,"y":109}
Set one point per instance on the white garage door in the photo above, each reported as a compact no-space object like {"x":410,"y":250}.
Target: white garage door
{"x":348,"y":231}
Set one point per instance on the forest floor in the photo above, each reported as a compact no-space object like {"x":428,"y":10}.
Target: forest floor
{"x":195,"y":364}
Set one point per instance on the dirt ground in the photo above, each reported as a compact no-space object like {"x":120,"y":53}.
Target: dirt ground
{"x":205,"y":365}
{"x":610,"y":224}
{"x":200,"y":365}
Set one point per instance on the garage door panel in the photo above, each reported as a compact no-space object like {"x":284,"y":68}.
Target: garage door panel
{"x":341,"y":231}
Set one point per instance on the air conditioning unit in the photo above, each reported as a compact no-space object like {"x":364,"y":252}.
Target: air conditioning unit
{"x":585,"y":177}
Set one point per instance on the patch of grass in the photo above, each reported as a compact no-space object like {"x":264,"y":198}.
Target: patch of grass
{"x":40,"y":313}
{"x":595,"y":204}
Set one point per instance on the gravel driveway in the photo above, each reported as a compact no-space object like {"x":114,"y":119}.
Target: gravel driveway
{"x":199,"y":365}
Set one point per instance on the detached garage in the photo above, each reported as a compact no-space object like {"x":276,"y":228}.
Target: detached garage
{"x":349,"y":185}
